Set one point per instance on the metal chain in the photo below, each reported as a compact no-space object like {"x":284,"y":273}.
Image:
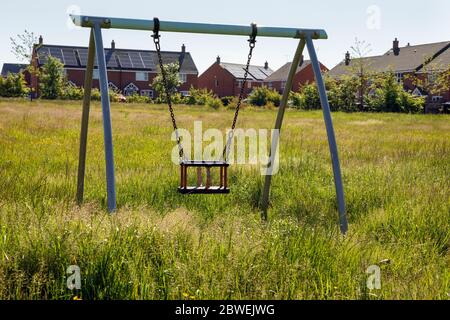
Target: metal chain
{"x":252,"y":43}
{"x":156,"y":38}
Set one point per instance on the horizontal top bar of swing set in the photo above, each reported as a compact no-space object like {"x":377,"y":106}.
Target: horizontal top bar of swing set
{"x":188,"y":27}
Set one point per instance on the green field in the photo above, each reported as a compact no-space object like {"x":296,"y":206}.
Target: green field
{"x":162,"y":245}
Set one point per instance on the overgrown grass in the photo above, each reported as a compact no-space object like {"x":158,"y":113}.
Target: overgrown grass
{"x":162,"y":245}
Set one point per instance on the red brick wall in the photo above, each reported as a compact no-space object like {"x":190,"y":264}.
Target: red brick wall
{"x":306,"y":75}
{"x":227,"y":85}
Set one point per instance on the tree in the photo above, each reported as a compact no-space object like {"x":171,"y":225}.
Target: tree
{"x":13,"y":85}
{"x":260,"y":96}
{"x":361,"y":69}
{"x":172,"y":77}
{"x":22,"y":47}
{"x":52,"y":79}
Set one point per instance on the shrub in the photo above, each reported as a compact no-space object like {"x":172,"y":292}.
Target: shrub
{"x":52,"y":79}
{"x":198,"y":96}
{"x":227,"y":100}
{"x":214,"y":103}
{"x":71,"y":92}
{"x":260,"y":96}
{"x":13,"y":85}
{"x":136,"y":98}
{"x":296,"y":99}
{"x":311,"y":98}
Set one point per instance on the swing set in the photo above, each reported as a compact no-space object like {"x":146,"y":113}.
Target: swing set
{"x":203,"y":186}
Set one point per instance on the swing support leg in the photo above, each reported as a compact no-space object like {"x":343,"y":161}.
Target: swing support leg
{"x":329,"y":127}
{"x":278,"y":124}
{"x":106,"y":111}
{"x":85,"y":119}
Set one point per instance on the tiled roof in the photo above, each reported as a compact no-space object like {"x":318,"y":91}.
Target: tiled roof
{"x":12,"y":68}
{"x":76,"y":57}
{"x":282,"y":73}
{"x":410,"y":58}
{"x":256,"y":73}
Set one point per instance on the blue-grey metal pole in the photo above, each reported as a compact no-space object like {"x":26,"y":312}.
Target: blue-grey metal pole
{"x":106,"y":110}
{"x":331,"y":137}
{"x":85,"y":118}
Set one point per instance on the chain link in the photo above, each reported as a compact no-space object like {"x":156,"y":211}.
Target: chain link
{"x":252,"y":43}
{"x":156,"y":38}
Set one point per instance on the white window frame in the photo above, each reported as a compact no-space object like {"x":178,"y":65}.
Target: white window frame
{"x":71,"y":83}
{"x":283,"y":85}
{"x":416,"y":92}
{"x":249,"y":84}
{"x":142,"y":76}
{"x":183,"y":77}
{"x":432,"y":76}
{"x":436,"y":99}
{"x":112,"y":86}
{"x":96,"y":74}
{"x":147,"y":93}
{"x":184,"y":93}
{"x":130,"y":85}
{"x":239,"y":83}
{"x":270,"y":85}
{"x":399,"y":77}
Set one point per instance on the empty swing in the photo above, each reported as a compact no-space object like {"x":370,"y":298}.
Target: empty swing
{"x":203,"y":186}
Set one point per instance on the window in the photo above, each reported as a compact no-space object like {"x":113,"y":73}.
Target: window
{"x":432,"y":77}
{"x":249,"y":84}
{"x":416,"y":92}
{"x":283,"y":85}
{"x":147,"y":93}
{"x":239,"y":83}
{"x":270,"y":85}
{"x":130,"y":89}
{"x":112,"y":86}
{"x":216,"y":82}
{"x":141,"y":76}
{"x":183,"y":77}
{"x":96,"y":75}
{"x":436,"y":98}
{"x":399,"y":77}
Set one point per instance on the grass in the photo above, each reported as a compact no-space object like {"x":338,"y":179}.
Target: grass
{"x":162,"y":245}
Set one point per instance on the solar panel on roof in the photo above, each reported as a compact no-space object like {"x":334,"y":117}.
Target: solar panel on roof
{"x":147,"y":59}
{"x":110,"y":57}
{"x":136,"y":60}
{"x":69,"y":57}
{"x":57,"y":53}
{"x":124,"y":60}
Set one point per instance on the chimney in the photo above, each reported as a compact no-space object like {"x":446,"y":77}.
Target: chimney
{"x":347,"y":58}
{"x":395,"y":47}
{"x":266,"y":65}
{"x":41,"y":40}
{"x":113,"y":45}
{"x":218,"y":59}
{"x":183,"y":48}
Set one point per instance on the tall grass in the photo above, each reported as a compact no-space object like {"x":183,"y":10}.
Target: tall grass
{"x":162,"y":245}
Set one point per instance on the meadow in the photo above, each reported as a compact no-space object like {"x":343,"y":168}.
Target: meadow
{"x":163,"y":245}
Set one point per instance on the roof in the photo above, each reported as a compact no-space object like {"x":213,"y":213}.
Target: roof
{"x":121,"y":59}
{"x":282,"y":73}
{"x":411,"y":58}
{"x":255,"y":73}
{"x":441,"y":62}
{"x":12,"y":68}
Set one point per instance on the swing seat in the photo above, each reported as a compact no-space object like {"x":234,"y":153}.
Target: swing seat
{"x":206,"y":188}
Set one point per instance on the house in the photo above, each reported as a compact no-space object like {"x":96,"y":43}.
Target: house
{"x":303,"y":75}
{"x":226,"y":79}
{"x":422,"y":61}
{"x":129,"y":71}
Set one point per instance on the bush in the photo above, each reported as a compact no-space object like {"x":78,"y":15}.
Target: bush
{"x":296,"y":99}
{"x":52,"y":79}
{"x":214,"y":103}
{"x":13,"y":85}
{"x":311,"y":100}
{"x":136,"y":98}
{"x":71,"y":92}
{"x":260,"y":96}
{"x":227,"y":100}
{"x":198,"y":96}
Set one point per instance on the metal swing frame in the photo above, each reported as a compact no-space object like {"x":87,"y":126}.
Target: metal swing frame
{"x":305,"y":36}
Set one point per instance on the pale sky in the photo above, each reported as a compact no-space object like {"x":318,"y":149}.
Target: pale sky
{"x":377,"y":22}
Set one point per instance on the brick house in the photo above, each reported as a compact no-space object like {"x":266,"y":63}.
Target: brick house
{"x":129,"y":71}
{"x":422,"y":61}
{"x":226,"y":79}
{"x":303,"y":75}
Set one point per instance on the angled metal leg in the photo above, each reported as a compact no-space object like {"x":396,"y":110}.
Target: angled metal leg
{"x":278,"y":124}
{"x":85,"y":119}
{"x":106,"y":110}
{"x":331,"y":137}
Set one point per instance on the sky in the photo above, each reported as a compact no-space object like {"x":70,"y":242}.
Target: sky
{"x":376,"y":22}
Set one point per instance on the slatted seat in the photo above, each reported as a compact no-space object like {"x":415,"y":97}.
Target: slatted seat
{"x":206,"y":188}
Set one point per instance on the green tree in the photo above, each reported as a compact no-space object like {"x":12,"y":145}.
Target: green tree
{"x":261,"y":96}
{"x":52,"y":79}
{"x":172,"y":77}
